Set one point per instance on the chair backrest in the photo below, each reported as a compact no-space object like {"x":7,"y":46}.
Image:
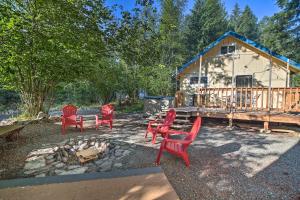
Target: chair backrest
{"x":69,"y":110}
{"x":195,"y":130}
{"x":107,"y":111}
{"x":170,"y":117}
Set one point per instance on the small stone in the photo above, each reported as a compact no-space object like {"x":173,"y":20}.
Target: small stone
{"x":41,"y":175}
{"x":118,"y":152}
{"x":93,"y":138}
{"x":80,"y":142}
{"x":118,"y":165}
{"x":55,"y":148}
{"x":105,"y":166}
{"x":59,"y":171}
{"x":50,"y":157}
{"x":99,"y":162}
{"x":50,"y":161}
{"x":59,"y":165}
{"x":92,"y":143}
{"x":82,"y":146}
{"x":97,"y":144}
{"x":73,"y":167}
{"x":67,"y":147}
{"x":29,"y":172}
{"x":65,"y":154}
{"x":42,"y":115}
{"x":80,"y":170}
{"x":65,"y":159}
{"x":126,"y":153}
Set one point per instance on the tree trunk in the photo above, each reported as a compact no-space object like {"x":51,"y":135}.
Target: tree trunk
{"x":32,"y":102}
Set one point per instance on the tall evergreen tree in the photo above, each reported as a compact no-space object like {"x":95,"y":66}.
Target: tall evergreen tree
{"x":234,"y":18}
{"x":291,"y":8}
{"x":248,"y":26}
{"x":206,"y":23}
{"x":171,"y":32}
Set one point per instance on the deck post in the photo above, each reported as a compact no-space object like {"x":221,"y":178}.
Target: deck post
{"x":288,"y":73}
{"x":266,"y":126}
{"x":199,"y":80}
{"x":231,"y":97}
{"x":200,"y":71}
{"x":269,"y":103}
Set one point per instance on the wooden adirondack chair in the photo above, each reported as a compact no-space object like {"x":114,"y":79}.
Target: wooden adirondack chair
{"x":162,"y":128}
{"x":107,"y":116}
{"x":69,"y":118}
{"x":179,"y":147}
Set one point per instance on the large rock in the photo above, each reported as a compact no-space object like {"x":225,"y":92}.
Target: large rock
{"x":79,"y":170}
{"x":106,"y":166}
{"x":41,"y":152}
{"x":37,"y":162}
{"x":42,"y":115}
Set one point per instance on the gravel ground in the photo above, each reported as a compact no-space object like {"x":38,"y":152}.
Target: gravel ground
{"x":236,"y":164}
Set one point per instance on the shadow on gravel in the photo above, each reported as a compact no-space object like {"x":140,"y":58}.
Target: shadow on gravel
{"x":225,"y":164}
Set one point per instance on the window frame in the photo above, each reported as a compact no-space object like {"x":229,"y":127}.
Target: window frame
{"x":249,"y":79}
{"x":227,"y":47}
{"x":197,"y":78}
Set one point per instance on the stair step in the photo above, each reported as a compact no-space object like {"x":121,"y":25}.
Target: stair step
{"x":174,"y":126}
{"x":182,"y":121}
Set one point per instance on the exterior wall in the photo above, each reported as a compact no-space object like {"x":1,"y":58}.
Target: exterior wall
{"x":218,"y":68}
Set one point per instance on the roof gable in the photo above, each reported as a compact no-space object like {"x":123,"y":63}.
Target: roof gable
{"x":245,"y":40}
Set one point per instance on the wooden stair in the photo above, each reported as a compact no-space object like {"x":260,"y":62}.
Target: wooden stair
{"x":182,"y":120}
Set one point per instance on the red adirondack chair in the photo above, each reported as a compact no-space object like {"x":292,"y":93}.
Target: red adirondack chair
{"x":107,"y":116}
{"x":162,"y":128}
{"x":69,"y":118}
{"x":179,"y":147}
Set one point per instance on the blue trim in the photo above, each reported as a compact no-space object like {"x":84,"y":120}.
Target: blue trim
{"x":245,"y":40}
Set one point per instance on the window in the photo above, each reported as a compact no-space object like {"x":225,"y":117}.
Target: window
{"x":203,"y":80}
{"x":195,"y":79}
{"x":243,"y":81}
{"x":227,"y":49}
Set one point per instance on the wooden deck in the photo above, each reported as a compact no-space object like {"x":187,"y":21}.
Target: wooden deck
{"x":262,"y":116}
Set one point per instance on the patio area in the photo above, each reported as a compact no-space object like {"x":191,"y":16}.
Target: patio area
{"x":225,"y":164}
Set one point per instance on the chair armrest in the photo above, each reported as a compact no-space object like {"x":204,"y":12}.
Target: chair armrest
{"x":174,"y":132}
{"x":96,"y":116}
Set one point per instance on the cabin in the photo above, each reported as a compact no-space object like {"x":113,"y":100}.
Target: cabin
{"x":236,"y":74}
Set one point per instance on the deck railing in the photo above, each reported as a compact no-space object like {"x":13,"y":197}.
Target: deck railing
{"x":249,"y":99}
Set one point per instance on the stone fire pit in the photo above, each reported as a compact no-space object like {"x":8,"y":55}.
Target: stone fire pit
{"x":61,"y":159}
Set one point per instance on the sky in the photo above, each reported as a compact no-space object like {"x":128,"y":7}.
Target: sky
{"x":260,"y":8}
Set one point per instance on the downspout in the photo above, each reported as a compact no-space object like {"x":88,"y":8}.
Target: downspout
{"x":288,"y":74}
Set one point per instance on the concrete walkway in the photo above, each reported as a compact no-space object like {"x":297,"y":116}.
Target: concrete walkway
{"x":143,"y":184}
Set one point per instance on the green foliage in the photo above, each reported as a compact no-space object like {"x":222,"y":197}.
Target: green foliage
{"x":276,"y":36}
{"x":171,"y":34}
{"x":46,"y":42}
{"x":205,"y":24}
{"x":234,"y":19}
{"x":57,"y":52}
{"x":247,"y":24}
{"x":296,"y":80}
{"x":134,"y":108}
